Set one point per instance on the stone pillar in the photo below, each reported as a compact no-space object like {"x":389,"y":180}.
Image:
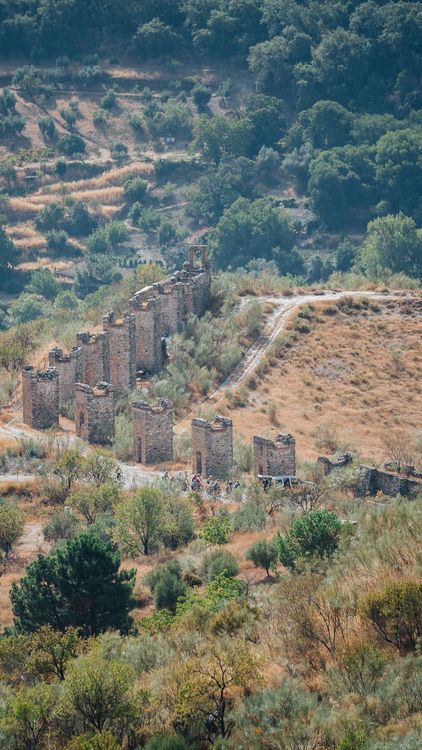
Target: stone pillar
{"x":146,"y":307}
{"x":212,"y":447}
{"x":274,"y":457}
{"x":40,"y":397}
{"x":152,"y":432}
{"x":95,"y":412}
{"x":95,"y":357}
{"x":69,"y":367}
{"x":122,"y":348}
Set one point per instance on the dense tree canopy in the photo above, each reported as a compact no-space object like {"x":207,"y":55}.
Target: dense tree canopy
{"x":77,"y":585}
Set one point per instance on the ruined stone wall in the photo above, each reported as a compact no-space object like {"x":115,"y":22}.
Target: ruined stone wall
{"x":152,"y":432}
{"x":274,"y":457}
{"x":95,"y":357}
{"x":372,"y":480}
{"x":326,"y":465}
{"x":40,"y":397}
{"x":122,"y":348}
{"x":69,"y":367}
{"x":212,"y":447}
{"x":95,"y":412}
{"x":146,"y":307}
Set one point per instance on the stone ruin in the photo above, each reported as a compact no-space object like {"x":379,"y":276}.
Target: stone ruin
{"x":121,"y":338}
{"x":274,"y":457}
{"x":212,"y":447}
{"x":325,"y":465}
{"x":40,"y":397}
{"x":95,"y":412}
{"x":113,"y":356}
{"x":152,"y":432}
{"x":372,"y":480}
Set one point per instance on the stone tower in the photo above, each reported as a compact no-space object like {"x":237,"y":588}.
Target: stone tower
{"x":95,"y":364}
{"x":69,"y":367}
{"x":212,"y":447}
{"x":40,"y":397}
{"x":146,"y":307}
{"x":122,"y":337}
{"x":152,"y":432}
{"x":274,"y":457}
{"x":95,"y":412}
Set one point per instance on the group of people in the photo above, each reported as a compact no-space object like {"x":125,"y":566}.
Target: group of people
{"x":213,"y":488}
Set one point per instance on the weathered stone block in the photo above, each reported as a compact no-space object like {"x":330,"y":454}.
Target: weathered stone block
{"x":95,"y":412}
{"x":152,"y":432}
{"x":40,"y":397}
{"x":212,"y":447}
{"x":274,"y":457}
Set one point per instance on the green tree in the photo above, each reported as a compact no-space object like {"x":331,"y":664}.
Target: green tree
{"x":201,"y":96}
{"x":251,"y":229}
{"x":263,"y":554}
{"x":166,"y":584}
{"x":135,"y":189}
{"x":392,"y":243}
{"x":221,"y":136}
{"x":77,"y":585}
{"x":51,"y":651}
{"x":90,"y":502}
{"x":28,"y":716}
{"x":155,"y":38}
{"x":139,"y":521}
{"x":12,"y":523}
{"x":216,"y":530}
{"x":219,"y":562}
{"x":43,"y":283}
{"x":399,"y":168}
{"x":396,"y":614}
{"x":97,"y":691}
{"x":71,"y":145}
{"x":99,"y":468}
{"x":68,"y":466}
{"x":315,"y":534}
{"x":326,"y":124}
{"x":27,"y":307}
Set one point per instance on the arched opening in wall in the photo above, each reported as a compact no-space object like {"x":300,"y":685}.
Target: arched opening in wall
{"x":81,"y":419}
{"x":261,"y":469}
{"x":139,"y":450}
{"x":198,"y":462}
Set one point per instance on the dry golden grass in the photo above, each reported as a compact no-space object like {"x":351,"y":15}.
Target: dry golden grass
{"x":356,"y":376}
{"x":112,"y":177}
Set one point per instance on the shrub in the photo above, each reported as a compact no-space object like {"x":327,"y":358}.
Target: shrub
{"x":166,"y":584}
{"x":12,"y":522}
{"x":250,"y":516}
{"x":396,"y":614}
{"x":118,"y":151}
{"x":135,"y":189}
{"x":99,"y":118}
{"x":71,"y":145}
{"x":263,"y":554}
{"x":63,"y":525}
{"x":201,"y":95}
{"x":216,"y":531}
{"x":109,"y":100}
{"x":316,"y":534}
{"x":47,"y":127}
{"x":219,"y":562}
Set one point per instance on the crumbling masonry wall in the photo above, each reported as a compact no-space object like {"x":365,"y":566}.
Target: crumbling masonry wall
{"x":95,"y":357}
{"x":274,"y":457}
{"x":152,"y":432}
{"x":95,"y":412}
{"x":326,"y":465}
{"x":69,"y":367}
{"x":146,"y":307}
{"x":122,"y":350}
{"x":212,"y":447}
{"x":40,"y":397}
{"x":372,"y":480}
